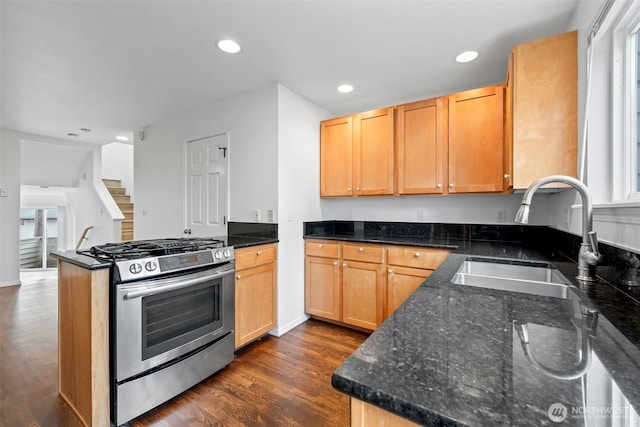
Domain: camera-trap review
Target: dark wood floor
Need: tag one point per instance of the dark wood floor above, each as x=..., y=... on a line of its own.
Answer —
x=273, y=382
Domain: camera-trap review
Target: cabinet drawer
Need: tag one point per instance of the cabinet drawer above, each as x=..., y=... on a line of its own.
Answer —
x=255, y=255
x=365, y=253
x=322, y=248
x=409, y=256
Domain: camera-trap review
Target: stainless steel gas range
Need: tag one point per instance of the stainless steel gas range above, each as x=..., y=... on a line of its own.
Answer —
x=172, y=318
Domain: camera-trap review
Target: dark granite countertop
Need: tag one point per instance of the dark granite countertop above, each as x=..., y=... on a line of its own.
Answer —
x=453, y=354
x=72, y=257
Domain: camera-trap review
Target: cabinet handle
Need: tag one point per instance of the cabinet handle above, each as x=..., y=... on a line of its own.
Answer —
x=320, y=245
x=360, y=249
x=451, y=185
x=335, y=263
x=259, y=253
x=238, y=277
x=344, y=265
x=439, y=185
x=348, y=188
x=506, y=176
x=417, y=254
x=390, y=271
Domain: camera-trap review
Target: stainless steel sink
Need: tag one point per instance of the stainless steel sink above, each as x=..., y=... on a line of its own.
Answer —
x=535, y=278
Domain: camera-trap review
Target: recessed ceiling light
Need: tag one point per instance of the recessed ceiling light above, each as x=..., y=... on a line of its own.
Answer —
x=122, y=138
x=345, y=88
x=85, y=130
x=72, y=135
x=228, y=46
x=467, y=56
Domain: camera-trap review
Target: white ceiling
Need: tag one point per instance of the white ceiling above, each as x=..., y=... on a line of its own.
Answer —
x=118, y=66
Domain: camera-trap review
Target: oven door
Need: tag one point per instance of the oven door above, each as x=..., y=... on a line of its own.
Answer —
x=160, y=320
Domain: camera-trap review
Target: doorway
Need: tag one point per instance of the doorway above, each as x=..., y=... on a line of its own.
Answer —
x=206, y=165
x=38, y=237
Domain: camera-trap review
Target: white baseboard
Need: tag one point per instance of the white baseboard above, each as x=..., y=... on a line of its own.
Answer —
x=6, y=284
x=279, y=331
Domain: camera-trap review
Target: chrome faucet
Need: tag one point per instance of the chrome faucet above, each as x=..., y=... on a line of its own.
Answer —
x=588, y=257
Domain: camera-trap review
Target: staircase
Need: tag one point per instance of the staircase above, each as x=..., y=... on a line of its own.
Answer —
x=118, y=192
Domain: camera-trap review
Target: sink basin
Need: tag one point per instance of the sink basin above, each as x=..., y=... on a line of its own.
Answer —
x=535, y=278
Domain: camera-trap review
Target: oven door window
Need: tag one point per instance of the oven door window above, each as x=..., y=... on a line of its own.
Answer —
x=174, y=318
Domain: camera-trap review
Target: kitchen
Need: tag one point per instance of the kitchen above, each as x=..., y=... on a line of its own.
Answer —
x=288, y=185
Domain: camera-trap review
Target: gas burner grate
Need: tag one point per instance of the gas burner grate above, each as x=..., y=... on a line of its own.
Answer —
x=146, y=248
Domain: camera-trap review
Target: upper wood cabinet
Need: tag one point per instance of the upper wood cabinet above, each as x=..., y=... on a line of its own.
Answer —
x=336, y=157
x=421, y=147
x=373, y=137
x=357, y=154
x=476, y=143
x=542, y=109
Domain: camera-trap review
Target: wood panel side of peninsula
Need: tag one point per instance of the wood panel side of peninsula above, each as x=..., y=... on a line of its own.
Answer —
x=83, y=342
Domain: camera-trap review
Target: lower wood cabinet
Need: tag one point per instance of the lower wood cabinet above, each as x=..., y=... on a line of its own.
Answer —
x=255, y=292
x=408, y=267
x=364, y=414
x=360, y=285
x=322, y=287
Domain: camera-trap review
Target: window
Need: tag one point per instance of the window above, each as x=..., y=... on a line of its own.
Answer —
x=626, y=100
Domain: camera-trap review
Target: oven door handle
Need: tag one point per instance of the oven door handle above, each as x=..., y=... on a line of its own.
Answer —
x=143, y=290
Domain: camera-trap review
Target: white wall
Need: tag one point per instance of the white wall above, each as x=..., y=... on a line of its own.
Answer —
x=461, y=209
x=91, y=205
x=117, y=163
x=298, y=201
x=9, y=208
x=251, y=120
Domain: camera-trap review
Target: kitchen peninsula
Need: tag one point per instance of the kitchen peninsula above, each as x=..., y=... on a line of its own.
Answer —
x=92, y=300
x=463, y=355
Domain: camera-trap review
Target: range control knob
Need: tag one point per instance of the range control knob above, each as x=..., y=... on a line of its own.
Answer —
x=135, y=268
x=226, y=253
x=217, y=255
x=150, y=266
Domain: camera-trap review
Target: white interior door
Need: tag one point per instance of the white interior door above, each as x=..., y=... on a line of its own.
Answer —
x=206, y=181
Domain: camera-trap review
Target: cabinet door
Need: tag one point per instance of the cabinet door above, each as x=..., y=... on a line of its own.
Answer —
x=322, y=287
x=255, y=302
x=373, y=136
x=545, y=109
x=401, y=282
x=362, y=294
x=476, y=130
x=336, y=157
x=421, y=152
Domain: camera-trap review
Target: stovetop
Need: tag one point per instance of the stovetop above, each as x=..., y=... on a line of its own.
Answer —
x=150, y=248
x=141, y=259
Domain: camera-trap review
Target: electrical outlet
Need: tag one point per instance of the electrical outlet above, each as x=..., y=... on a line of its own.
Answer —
x=422, y=214
x=270, y=215
x=501, y=215
x=257, y=215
